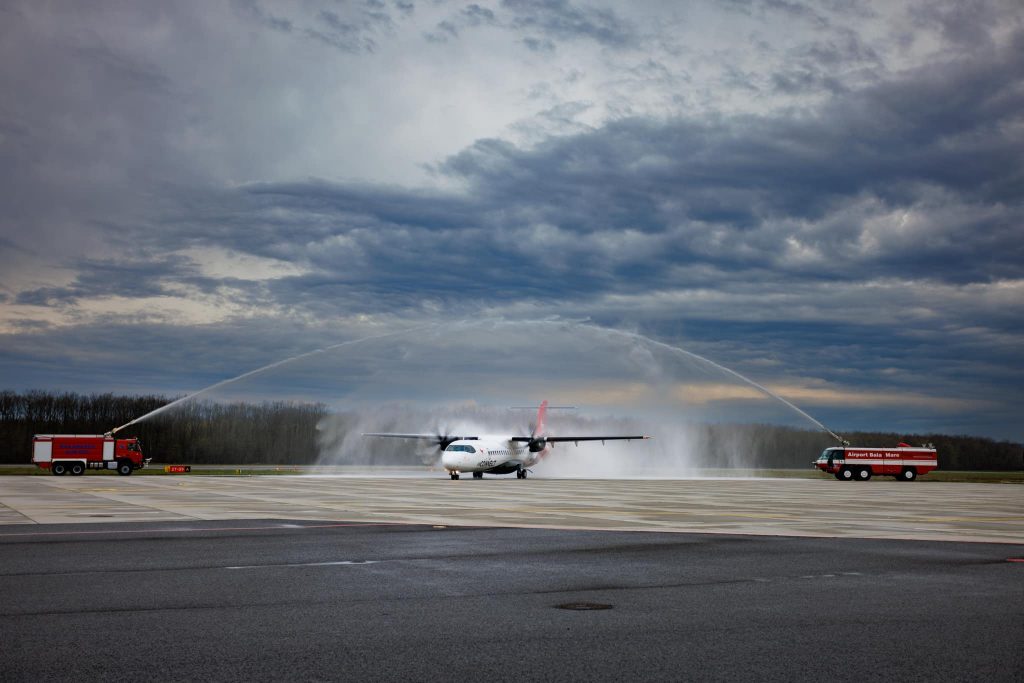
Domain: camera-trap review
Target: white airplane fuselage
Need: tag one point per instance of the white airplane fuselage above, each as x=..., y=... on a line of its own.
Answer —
x=491, y=453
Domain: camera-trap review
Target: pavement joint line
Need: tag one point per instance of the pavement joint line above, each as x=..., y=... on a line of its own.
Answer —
x=275, y=527
x=777, y=508
x=354, y=563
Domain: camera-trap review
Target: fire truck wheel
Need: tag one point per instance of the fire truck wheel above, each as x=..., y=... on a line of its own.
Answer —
x=846, y=474
x=863, y=474
x=59, y=468
x=77, y=469
x=908, y=474
x=124, y=468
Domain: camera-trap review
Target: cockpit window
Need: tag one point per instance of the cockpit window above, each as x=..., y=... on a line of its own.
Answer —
x=829, y=453
x=461, y=447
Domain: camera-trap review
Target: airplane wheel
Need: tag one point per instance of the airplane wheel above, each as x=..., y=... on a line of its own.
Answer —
x=455, y=476
x=478, y=475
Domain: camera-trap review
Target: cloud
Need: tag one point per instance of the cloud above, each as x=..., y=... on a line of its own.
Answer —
x=782, y=185
x=967, y=24
x=646, y=211
x=563, y=20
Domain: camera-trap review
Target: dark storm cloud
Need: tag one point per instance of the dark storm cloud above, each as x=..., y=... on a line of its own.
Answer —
x=919, y=177
x=133, y=355
x=563, y=20
x=795, y=10
x=538, y=44
x=823, y=65
x=964, y=23
x=541, y=23
x=443, y=32
x=914, y=182
x=134, y=278
x=750, y=235
x=351, y=34
x=916, y=177
x=351, y=28
x=253, y=10
x=476, y=15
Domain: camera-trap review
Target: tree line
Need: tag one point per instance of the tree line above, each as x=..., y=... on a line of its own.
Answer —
x=286, y=433
x=195, y=432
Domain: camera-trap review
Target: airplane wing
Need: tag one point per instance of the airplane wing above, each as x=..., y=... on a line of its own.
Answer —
x=442, y=441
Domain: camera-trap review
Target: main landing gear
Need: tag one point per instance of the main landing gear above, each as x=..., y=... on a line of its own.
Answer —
x=478, y=475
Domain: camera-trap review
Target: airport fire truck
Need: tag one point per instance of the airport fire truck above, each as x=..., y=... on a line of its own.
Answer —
x=74, y=453
x=904, y=462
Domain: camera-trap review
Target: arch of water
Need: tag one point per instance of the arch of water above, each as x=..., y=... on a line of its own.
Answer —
x=462, y=376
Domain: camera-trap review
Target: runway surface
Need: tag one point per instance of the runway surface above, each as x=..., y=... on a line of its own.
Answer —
x=269, y=600
x=421, y=578
x=792, y=507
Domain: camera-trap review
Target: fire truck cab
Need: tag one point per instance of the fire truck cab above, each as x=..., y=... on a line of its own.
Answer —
x=850, y=463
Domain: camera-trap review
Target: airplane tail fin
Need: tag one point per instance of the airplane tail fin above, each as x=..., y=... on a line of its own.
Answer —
x=541, y=413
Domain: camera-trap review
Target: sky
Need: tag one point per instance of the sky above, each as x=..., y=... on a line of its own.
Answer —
x=827, y=197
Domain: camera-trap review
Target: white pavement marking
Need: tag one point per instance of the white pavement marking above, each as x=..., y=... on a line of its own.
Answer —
x=306, y=564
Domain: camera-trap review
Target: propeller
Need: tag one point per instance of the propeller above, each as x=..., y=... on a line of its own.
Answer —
x=536, y=443
x=431, y=449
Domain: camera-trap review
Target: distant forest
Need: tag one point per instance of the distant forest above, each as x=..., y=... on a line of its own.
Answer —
x=192, y=433
x=286, y=433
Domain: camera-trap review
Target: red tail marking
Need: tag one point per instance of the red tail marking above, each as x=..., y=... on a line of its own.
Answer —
x=541, y=412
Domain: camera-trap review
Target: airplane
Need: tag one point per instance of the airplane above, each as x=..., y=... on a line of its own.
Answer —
x=497, y=454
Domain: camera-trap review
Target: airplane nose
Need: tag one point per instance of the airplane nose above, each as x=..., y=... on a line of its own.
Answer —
x=449, y=461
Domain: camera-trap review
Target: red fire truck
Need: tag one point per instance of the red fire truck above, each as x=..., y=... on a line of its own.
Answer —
x=904, y=462
x=74, y=453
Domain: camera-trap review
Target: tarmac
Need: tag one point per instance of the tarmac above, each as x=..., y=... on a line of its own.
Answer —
x=778, y=507
x=420, y=578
